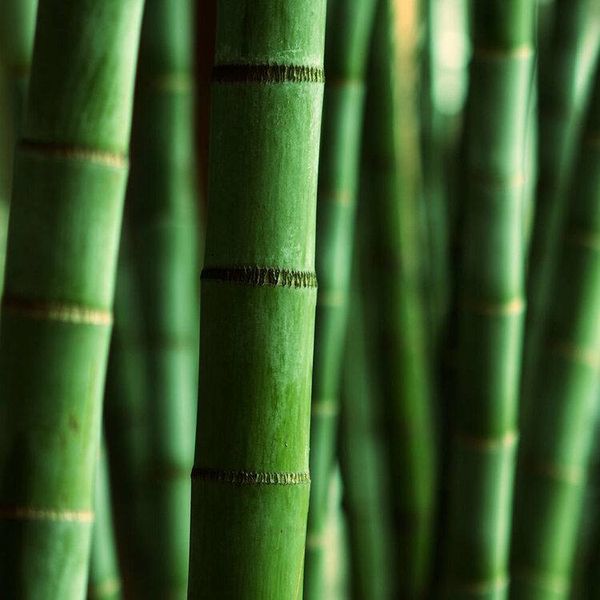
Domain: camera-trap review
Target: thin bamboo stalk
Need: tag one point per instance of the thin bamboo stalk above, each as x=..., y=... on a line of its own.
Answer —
x=391, y=179
x=66, y=208
x=491, y=302
x=558, y=433
x=163, y=227
x=250, y=483
x=561, y=100
x=104, y=580
x=346, y=49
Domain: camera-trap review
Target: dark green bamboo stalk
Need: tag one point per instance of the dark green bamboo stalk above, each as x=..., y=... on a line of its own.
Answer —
x=162, y=221
x=17, y=25
x=391, y=174
x=104, y=581
x=126, y=429
x=346, y=47
x=69, y=182
x=560, y=102
x=558, y=430
x=362, y=459
x=491, y=302
x=250, y=483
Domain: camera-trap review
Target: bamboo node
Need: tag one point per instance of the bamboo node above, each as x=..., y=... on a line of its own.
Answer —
x=25, y=513
x=324, y=408
x=250, y=477
x=260, y=276
x=570, y=474
x=343, y=197
x=105, y=158
x=506, y=440
x=267, y=74
x=578, y=354
x=56, y=311
x=331, y=298
x=169, y=82
x=316, y=540
x=496, y=181
x=525, y=51
x=585, y=239
x=515, y=306
x=553, y=583
x=106, y=588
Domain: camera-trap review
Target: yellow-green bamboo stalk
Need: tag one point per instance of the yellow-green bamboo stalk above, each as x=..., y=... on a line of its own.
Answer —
x=69, y=183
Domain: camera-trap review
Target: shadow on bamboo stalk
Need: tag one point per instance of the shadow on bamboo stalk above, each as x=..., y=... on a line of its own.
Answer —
x=69, y=183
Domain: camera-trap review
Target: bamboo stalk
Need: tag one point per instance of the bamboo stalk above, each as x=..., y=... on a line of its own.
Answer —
x=558, y=431
x=391, y=174
x=163, y=226
x=250, y=483
x=17, y=25
x=346, y=46
x=69, y=184
x=561, y=99
x=491, y=302
x=104, y=580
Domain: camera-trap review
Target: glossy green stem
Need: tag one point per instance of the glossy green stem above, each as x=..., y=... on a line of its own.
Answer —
x=559, y=427
x=104, y=581
x=250, y=483
x=346, y=48
x=163, y=227
x=69, y=183
x=391, y=184
x=490, y=302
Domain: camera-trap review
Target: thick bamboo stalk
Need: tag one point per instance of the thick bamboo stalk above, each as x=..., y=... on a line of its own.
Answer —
x=17, y=25
x=104, y=580
x=558, y=431
x=250, y=483
x=346, y=48
x=69, y=181
x=491, y=302
x=161, y=216
x=391, y=174
x=561, y=99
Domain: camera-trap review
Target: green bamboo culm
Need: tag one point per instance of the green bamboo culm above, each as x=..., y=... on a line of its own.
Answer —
x=346, y=49
x=561, y=421
x=69, y=183
x=104, y=581
x=561, y=99
x=17, y=26
x=485, y=435
x=126, y=429
x=391, y=184
x=250, y=482
x=163, y=226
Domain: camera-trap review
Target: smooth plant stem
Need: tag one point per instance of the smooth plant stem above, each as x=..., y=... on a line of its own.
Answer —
x=69, y=183
x=560, y=423
x=491, y=303
x=561, y=99
x=250, y=482
x=346, y=49
x=104, y=581
x=391, y=174
x=162, y=219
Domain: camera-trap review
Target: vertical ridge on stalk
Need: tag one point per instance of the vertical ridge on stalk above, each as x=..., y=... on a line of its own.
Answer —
x=62, y=247
x=346, y=48
x=483, y=447
x=256, y=340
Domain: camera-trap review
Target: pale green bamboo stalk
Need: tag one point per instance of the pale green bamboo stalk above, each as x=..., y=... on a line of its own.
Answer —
x=250, y=483
x=70, y=173
x=163, y=225
x=560, y=423
x=346, y=48
x=104, y=581
x=490, y=301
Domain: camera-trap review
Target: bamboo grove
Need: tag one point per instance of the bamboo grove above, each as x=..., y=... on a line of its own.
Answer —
x=300, y=299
